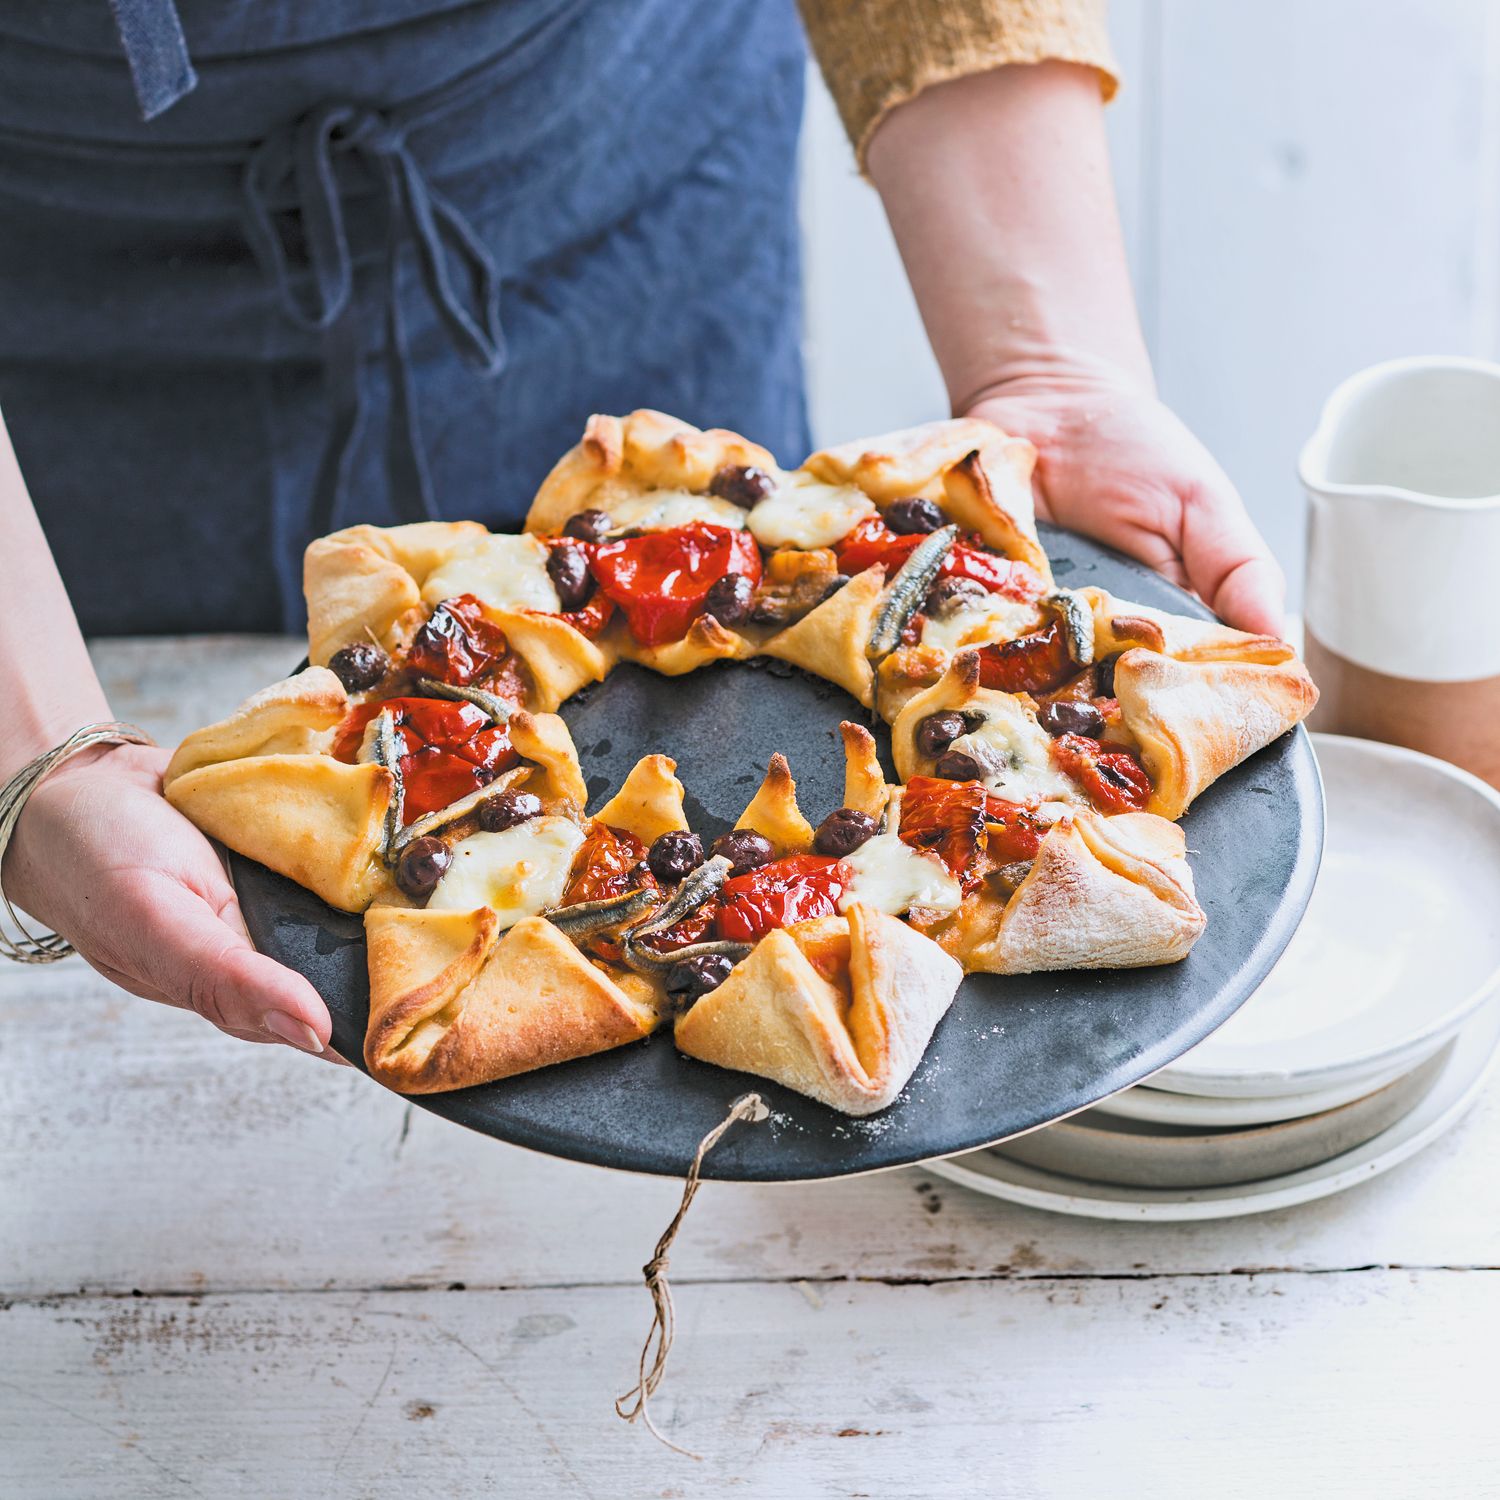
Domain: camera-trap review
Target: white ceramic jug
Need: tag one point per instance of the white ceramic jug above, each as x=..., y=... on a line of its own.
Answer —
x=1403, y=558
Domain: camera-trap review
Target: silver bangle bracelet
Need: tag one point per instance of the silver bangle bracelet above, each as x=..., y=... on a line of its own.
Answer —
x=46, y=948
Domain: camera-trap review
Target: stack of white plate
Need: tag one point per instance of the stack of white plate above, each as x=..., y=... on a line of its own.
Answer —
x=1370, y=1038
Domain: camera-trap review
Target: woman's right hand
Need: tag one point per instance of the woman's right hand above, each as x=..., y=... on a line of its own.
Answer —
x=103, y=859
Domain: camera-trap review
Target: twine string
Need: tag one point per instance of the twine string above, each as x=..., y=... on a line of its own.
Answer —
x=635, y=1404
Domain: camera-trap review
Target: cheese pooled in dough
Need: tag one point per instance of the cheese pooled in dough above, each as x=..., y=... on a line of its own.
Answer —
x=517, y=872
x=504, y=572
x=662, y=510
x=1013, y=753
x=893, y=877
x=804, y=513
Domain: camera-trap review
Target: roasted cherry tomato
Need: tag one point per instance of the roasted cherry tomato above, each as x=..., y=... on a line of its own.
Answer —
x=1015, y=832
x=661, y=579
x=787, y=890
x=604, y=864
x=872, y=541
x=1110, y=774
x=1029, y=664
x=451, y=749
x=459, y=644
x=945, y=817
x=593, y=617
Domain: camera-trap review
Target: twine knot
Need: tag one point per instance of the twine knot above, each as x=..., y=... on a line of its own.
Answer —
x=634, y=1405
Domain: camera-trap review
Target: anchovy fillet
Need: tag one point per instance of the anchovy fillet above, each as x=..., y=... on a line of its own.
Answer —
x=907, y=591
x=586, y=919
x=497, y=708
x=1077, y=621
x=444, y=817
x=699, y=888
x=658, y=965
x=388, y=754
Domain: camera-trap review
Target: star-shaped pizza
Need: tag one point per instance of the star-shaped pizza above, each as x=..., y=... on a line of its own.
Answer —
x=1045, y=739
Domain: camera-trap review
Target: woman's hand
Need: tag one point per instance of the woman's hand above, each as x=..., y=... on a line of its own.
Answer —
x=1117, y=465
x=102, y=858
x=997, y=186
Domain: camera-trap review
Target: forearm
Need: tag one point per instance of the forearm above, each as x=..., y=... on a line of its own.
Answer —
x=998, y=189
x=47, y=682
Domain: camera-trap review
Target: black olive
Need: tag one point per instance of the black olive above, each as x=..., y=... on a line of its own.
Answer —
x=422, y=864
x=834, y=585
x=843, y=831
x=741, y=484
x=506, y=809
x=568, y=569
x=955, y=765
x=360, y=666
x=745, y=850
x=913, y=517
x=675, y=855
x=728, y=599
x=937, y=731
x=1064, y=717
x=588, y=526
x=949, y=595
x=639, y=874
x=1104, y=675
x=694, y=977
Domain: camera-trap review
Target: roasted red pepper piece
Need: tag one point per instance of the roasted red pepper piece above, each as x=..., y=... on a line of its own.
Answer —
x=946, y=818
x=1029, y=664
x=661, y=579
x=1110, y=774
x=1015, y=832
x=459, y=644
x=451, y=749
x=793, y=889
x=872, y=541
x=593, y=617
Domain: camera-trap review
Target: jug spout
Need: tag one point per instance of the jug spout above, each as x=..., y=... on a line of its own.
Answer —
x=1403, y=484
x=1423, y=430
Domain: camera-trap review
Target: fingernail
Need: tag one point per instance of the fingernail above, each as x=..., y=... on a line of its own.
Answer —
x=290, y=1029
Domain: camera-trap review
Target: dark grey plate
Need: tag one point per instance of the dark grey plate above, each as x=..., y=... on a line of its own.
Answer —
x=1013, y=1052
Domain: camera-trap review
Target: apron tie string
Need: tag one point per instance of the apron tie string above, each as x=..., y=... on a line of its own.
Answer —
x=298, y=164
x=154, y=46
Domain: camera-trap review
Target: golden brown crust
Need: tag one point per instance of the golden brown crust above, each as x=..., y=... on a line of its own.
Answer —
x=1120, y=625
x=649, y=802
x=308, y=817
x=773, y=811
x=452, y=1005
x=989, y=491
x=1195, y=720
x=365, y=582
x=296, y=716
x=865, y=788
x=544, y=740
x=558, y=659
x=1102, y=893
x=830, y=640
x=628, y=455
x=706, y=641
x=854, y=1043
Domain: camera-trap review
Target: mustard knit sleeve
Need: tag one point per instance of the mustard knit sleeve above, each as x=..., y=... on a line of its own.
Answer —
x=877, y=54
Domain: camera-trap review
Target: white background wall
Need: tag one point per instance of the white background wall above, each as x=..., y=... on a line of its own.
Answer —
x=1306, y=186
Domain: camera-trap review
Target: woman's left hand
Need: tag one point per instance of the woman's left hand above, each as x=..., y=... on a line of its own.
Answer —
x=1117, y=465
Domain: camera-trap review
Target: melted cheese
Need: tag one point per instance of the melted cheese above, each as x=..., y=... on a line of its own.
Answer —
x=806, y=514
x=661, y=510
x=504, y=572
x=516, y=873
x=893, y=877
x=1013, y=752
x=993, y=618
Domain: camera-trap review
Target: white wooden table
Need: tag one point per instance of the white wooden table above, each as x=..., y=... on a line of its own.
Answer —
x=232, y=1271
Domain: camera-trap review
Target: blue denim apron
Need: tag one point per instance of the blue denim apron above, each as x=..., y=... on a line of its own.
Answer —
x=271, y=269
